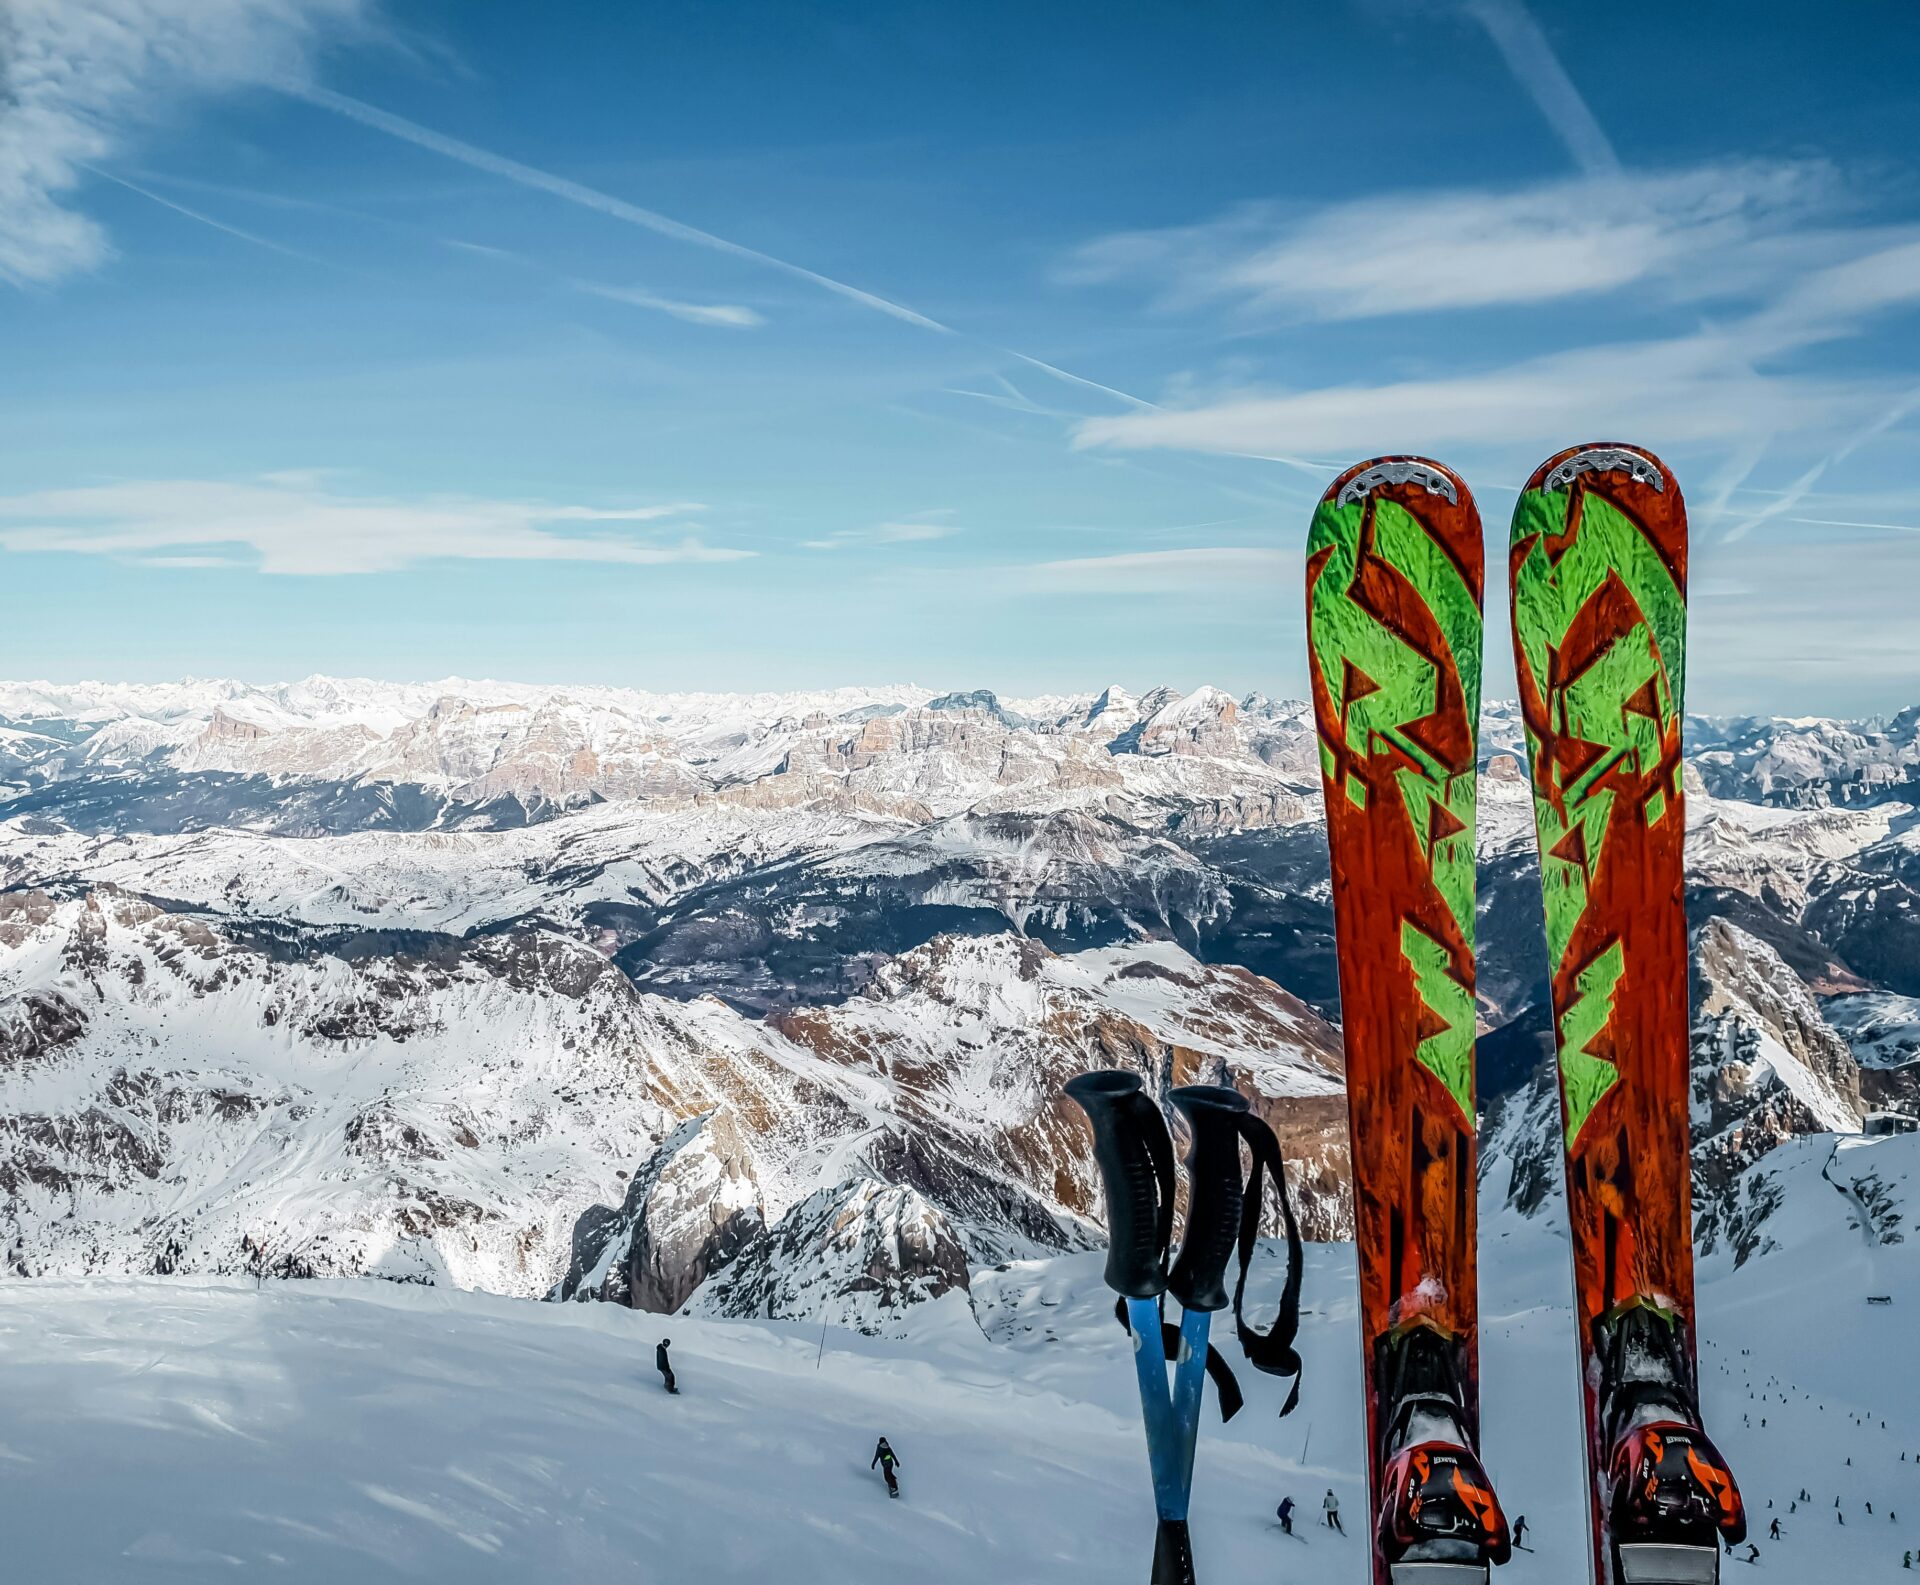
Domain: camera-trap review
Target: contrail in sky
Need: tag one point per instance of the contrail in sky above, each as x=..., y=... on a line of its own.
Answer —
x=591, y=198
x=1538, y=70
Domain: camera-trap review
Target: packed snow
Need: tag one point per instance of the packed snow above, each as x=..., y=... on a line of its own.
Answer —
x=189, y=1429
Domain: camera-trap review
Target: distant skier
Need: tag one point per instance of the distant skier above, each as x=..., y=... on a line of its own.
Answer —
x=1520, y=1533
x=1285, y=1514
x=887, y=1459
x=1773, y=1531
x=1330, y=1506
x=1753, y=1553
x=662, y=1364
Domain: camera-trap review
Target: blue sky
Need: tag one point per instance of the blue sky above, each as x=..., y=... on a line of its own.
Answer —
x=683, y=345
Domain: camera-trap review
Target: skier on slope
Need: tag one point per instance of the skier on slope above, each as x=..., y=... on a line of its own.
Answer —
x=888, y=1460
x=1520, y=1531
x=661, y=1364
x=1285, y=1514
x=1330, y=1506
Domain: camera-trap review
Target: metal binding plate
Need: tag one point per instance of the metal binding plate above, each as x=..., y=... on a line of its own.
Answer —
x=1606, y=459
x=1382, y=474
x=1656, y=1563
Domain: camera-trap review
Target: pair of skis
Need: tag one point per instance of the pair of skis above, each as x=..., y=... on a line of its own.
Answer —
x=1134, y=1152
x=1395, y=570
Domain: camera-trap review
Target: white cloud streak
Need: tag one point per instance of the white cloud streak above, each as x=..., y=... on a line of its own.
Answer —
x=729, y=316
x=75, y=74
x=1199, y=567
x=1415, y=252
x=909, y=532
x=293, y=525
x=1702, y=387
x=589, y=198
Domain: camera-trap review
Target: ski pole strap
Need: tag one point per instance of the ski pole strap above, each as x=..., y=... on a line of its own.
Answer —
x=1219, y=1372
x=1271, y=1351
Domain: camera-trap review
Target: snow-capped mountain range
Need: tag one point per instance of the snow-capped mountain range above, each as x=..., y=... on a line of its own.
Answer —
x=685, y=999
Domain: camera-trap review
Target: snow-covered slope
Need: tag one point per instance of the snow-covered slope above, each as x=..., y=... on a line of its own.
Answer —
x=184, y=1430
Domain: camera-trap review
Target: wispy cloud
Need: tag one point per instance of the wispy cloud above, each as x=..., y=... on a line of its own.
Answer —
x=1679, y=389
x=1413, y=252
x=589, y=198
x=208, y=220
x=1537, y=69
x=292, y=524
x=1708, y=386
x=1801, y=487
x=1199, y=567
x=732, y=316
x=76, y=75
x=915, y=530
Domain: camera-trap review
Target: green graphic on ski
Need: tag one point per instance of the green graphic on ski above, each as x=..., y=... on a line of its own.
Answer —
x=1395, y=569
x=1598, y=565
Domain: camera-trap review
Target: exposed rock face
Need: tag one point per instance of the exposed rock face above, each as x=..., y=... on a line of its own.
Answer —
x=1883, y=1030
x=689, y=1210
x=1521, y=1156
x=974, y=1037
x=859, y=1254
x=1739, y=978
x=1766, y=1066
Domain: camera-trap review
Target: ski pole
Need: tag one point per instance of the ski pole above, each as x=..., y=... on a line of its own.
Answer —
x=1216, y=1190
x=1134, y=1153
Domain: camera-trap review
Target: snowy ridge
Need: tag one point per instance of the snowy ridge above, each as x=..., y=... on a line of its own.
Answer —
x=182, y=1096
x=341, y=976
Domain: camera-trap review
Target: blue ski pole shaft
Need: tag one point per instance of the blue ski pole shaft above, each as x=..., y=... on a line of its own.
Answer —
x=1189, y=1382
x=1169, y=1448
x=1150, y=1364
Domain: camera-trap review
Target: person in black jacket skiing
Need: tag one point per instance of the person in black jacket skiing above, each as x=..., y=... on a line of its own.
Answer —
x=1285, y=1514
x=662, y=1364
x=888, y=1460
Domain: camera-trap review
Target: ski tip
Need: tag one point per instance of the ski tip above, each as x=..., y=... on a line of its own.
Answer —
x=1433, y=494
x=1632, y=464
x=1398, y=476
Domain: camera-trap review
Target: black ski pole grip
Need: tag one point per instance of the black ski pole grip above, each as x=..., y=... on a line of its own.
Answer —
x=1135, y=1157
x=1216, y=1190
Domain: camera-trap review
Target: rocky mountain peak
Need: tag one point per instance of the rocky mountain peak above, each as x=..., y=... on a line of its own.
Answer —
x=862, y=1254
x=691, y=1207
